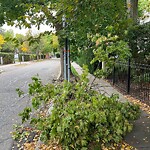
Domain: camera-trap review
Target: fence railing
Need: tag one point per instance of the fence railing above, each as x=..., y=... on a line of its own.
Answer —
x=133, y=79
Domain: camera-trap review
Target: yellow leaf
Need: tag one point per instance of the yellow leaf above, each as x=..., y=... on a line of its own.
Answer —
x=24, y=47
x=2, y=41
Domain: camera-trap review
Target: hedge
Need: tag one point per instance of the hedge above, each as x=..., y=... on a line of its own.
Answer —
x=8, y=58
x=33, y=57
x=43, y=56
x=85, y=58
x=26, y=57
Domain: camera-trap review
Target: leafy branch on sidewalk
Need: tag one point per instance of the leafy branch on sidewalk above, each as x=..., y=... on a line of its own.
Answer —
x=78, y=117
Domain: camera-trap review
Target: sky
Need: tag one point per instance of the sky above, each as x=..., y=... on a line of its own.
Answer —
x=23, y=31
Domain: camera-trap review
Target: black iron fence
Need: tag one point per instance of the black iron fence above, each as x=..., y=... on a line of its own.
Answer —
x=133, y=79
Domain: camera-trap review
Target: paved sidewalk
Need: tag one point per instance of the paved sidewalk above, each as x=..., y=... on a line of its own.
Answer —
x=139, y=138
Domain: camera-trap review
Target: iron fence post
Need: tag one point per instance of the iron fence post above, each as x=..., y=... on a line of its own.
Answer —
x=114, y=72
x=129, y=76
x=68, y=61
x=65, y=74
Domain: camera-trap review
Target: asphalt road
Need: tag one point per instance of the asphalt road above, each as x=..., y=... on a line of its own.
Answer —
x=19, y=76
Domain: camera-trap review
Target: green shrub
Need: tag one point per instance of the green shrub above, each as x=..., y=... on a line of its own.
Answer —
x=43, y=56
x=8, y=58
x=79, y=116
x=58, y=55
x=33, y=57
x=139, y=37
x=27, y=57
x=85, y=57
x=144, y=78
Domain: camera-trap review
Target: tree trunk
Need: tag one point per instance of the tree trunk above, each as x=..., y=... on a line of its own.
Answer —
x=61, y=73
x=37, y=54
x=132, y=6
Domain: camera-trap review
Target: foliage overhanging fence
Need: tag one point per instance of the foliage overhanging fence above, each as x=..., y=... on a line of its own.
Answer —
x=133, y=79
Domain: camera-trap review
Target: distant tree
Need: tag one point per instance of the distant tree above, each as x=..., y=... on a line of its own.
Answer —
x=45, y=44
x=20, y=39
x=2, y=41
x=34, y=48
x=25, y=47
x=55, y=43
x=10, y=44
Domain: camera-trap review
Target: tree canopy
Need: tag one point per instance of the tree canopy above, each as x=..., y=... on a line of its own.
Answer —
x=81, y=17
x=9, y=45
x=77, y=13
x=75, y=19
